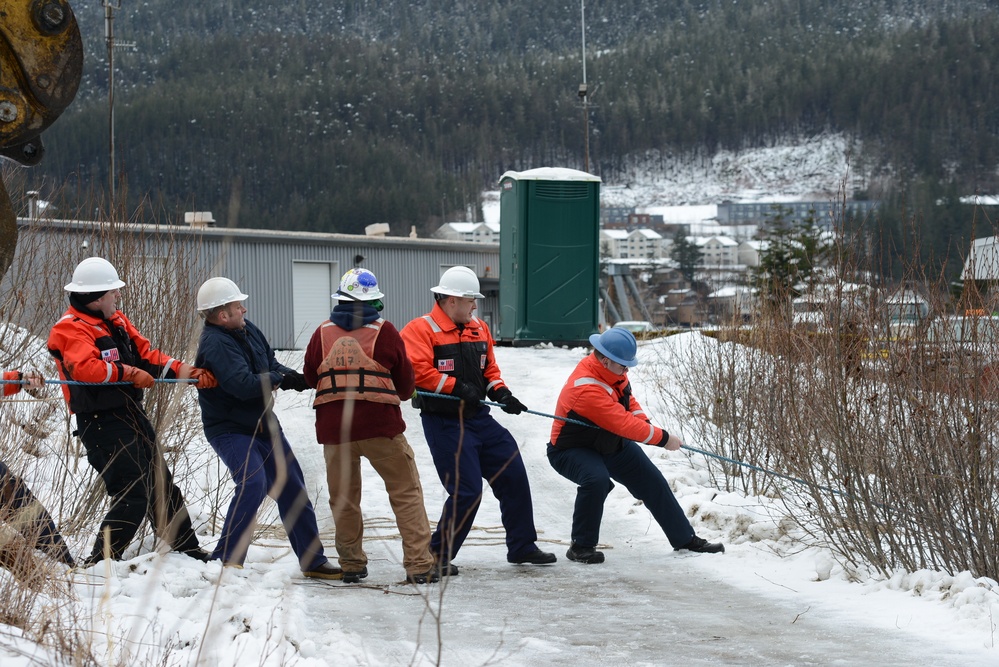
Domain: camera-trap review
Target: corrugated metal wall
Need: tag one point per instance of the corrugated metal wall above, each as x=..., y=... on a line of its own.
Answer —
x=261, y=263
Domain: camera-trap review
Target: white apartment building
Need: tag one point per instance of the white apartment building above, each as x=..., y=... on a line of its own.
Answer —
x=718, y=250
x=470, y=232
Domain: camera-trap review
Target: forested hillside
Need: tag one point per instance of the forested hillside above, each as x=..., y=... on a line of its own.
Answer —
x=331, y=116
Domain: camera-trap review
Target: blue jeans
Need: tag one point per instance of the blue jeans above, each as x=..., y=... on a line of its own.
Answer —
x=484, y=450
x=258, y=470
x=629, y=466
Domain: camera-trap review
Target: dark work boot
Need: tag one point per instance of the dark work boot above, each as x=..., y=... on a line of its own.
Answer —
x=536, y=557
x=198, y=554
x=587, y=555
x=431, y=576
x=702, y=546
x=355, y=577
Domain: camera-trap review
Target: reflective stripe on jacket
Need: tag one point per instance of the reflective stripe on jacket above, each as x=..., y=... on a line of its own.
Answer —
x=87, y=348
x=348, y=368
x=594, y=395
x=444, y=353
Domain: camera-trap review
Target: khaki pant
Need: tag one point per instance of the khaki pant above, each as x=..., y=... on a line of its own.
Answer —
x=393, y=460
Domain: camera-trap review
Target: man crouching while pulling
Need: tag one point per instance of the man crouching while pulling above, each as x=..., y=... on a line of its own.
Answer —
x=599, y=393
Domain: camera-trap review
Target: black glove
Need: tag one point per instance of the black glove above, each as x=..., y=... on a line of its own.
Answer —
x=294, y=380
x=467, y=393
x=511, y=405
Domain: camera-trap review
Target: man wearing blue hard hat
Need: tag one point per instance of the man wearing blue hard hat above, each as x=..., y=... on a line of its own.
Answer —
x=598, y=394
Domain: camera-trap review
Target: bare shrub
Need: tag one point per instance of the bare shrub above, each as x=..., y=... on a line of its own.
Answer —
x=37, y=442
x=879, y=435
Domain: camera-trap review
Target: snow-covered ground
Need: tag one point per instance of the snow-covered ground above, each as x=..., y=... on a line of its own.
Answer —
x=767, y=600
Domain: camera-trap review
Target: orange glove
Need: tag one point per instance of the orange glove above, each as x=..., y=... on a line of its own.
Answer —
x=138, y=377
x=205, y=379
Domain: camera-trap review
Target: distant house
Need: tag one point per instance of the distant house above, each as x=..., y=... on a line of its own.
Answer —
x=682, y=306
x=645, y=244
x=615, y=215
x=469, y=232
x=718, y=251
x=732, y=303
x=826, y=214
x=749, y=252
x=983, y=260
x=613, y=243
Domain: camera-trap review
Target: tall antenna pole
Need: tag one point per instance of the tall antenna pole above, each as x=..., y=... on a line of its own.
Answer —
x=109, y=8
x=583, y=94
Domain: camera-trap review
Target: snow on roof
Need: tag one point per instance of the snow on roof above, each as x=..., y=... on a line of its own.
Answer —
x=550, y=174
x=730, y=291
x=722, y=240
x=981, y=200
x=647, y=233
x=982, y=262
x=683, y=213
x=470, y=227
x=462, y=227
x=618, y=234
x=905, y=296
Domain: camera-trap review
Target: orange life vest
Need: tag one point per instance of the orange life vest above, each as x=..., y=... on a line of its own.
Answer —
x=348, y=369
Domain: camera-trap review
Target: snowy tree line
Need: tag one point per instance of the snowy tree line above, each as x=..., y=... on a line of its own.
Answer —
x=331, y=118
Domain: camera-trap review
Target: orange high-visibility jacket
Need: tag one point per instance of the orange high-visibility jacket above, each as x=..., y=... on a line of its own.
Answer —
x=87, y=349
x=594, y=395
x=442, y=354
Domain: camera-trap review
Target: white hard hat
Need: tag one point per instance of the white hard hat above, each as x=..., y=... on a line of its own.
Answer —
x=216, y=292
x=458, y=281
x=94, y=274
x=358, y=285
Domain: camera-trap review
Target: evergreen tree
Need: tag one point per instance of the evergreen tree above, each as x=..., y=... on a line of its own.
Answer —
x=687, y=255
x=791, y=251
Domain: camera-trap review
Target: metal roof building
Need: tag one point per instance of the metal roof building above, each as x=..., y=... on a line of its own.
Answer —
x=289, y=276
x=982, y=262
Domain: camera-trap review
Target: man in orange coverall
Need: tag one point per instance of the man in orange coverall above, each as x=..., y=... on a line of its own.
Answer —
x=452, y=353
x=598, y=393
x=94, y=343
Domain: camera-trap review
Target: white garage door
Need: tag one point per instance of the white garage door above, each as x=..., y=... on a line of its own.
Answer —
x=312, y=284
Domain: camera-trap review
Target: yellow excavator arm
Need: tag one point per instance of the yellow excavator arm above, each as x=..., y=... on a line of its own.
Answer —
x=41, y=62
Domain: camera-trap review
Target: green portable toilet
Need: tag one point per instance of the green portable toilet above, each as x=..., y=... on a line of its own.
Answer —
x=549, y=256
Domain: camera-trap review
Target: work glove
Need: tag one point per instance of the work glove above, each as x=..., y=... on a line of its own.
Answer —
x=138, y=377
x=670, y=442
x=294, y=380
x=467, y=393
x=511, y=405
x=205, y=379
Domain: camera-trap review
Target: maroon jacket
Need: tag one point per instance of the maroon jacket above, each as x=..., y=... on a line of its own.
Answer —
x=370, y=419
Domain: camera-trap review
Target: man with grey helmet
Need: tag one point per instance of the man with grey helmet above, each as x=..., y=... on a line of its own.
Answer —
x=603, y=448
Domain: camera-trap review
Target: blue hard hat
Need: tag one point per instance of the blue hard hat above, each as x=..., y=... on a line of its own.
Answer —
x=617, y=345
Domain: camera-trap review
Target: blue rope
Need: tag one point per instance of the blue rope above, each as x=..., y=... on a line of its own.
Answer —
x=687, y=447
x=77, y=382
